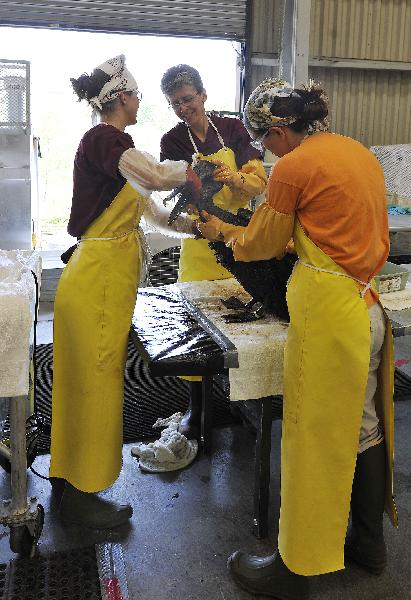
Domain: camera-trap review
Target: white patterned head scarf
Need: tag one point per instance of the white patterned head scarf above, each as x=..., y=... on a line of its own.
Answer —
x=121, y=80
x=257, y=111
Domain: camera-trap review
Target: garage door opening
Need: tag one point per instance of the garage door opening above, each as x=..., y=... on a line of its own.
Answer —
x=59, y=121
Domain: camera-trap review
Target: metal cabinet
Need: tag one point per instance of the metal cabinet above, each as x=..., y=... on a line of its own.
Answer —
x=15, y=155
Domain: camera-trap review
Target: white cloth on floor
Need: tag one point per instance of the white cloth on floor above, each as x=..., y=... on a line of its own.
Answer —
x=260, y=344
x=171, y=452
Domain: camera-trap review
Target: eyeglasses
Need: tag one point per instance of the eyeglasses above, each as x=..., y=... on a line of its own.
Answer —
x=184, y=101
x=138, y=95
x=258, y=141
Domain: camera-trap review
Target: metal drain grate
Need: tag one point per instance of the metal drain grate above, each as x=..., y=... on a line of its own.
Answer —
x=71, y=575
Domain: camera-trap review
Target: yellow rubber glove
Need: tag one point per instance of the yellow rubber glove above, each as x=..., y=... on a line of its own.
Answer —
x=211, y=227
x=227, y=176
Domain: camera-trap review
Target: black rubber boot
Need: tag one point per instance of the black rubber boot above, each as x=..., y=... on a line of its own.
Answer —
x=267, y=576
x=58, y=485
x=190, y=425
x=88, y=510
x=365, y=543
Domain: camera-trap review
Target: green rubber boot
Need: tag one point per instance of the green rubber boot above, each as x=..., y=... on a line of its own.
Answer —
x=190, y=425
x=267, y=576
x=365, y=543
x=58, y=485
x=88, y=510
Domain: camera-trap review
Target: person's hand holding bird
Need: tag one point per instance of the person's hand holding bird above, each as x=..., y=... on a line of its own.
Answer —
x=210, y=227
x=224, y=174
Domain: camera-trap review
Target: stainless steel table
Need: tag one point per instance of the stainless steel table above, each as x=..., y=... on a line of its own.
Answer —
x=173, y=338
x=399, y=223
x=400, y=321
x=400, y=238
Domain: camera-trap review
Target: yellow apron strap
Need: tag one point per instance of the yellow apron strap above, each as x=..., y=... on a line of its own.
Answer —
x=364, y=283
x=197, y=155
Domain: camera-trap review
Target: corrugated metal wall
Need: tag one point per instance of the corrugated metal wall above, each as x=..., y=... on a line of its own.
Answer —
x=259, y=73
x=265, y=42
x=371, y=29
x=266, y=26
x=370, y=105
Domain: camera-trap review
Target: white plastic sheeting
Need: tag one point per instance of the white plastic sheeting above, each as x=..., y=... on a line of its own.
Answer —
x=396, y=163
x=17, y=311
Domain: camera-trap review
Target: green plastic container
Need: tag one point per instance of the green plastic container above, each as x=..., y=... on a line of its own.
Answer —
x=391, y=278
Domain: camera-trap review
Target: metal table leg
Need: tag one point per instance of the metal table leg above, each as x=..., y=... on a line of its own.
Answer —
x=207, y=413
x=262, y=468
x=19, y=503
x=24, y=518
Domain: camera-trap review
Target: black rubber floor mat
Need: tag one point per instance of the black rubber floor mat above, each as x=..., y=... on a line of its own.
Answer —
x=402, y=385
x=3, y=573
x=146, y=398
x=71, y=575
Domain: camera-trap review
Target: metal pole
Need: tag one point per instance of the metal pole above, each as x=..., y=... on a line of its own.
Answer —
x=262, y=468
x=207, y=413
x=247, y=84
x=18, y=455
x=295, y=41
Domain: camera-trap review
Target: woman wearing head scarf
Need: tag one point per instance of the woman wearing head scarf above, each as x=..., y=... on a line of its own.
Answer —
x=222, y=140
x=97, y=292
x=327, y=193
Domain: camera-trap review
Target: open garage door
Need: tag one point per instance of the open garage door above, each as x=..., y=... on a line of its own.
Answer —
x=220, y=19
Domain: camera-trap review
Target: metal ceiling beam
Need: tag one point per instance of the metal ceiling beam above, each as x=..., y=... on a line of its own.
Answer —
x=346, y=63
x=339, y=63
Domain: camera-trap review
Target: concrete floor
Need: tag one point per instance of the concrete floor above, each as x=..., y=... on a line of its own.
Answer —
x=186, y=523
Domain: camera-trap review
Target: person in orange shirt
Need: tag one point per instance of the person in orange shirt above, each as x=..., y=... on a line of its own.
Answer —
x=326, y=193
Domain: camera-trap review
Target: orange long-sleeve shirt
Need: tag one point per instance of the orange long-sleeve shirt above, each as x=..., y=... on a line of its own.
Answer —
x=335, y=187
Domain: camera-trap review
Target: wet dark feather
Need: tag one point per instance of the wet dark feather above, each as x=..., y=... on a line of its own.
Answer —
x=264, y=280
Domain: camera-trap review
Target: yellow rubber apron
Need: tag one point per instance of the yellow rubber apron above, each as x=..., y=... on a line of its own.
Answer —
x=92, y=314
x=325, y=375
x=197, y=260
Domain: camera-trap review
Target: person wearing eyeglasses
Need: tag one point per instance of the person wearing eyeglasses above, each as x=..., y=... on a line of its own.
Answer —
x=327, y=193
x=222, y=140
x=112, y=183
